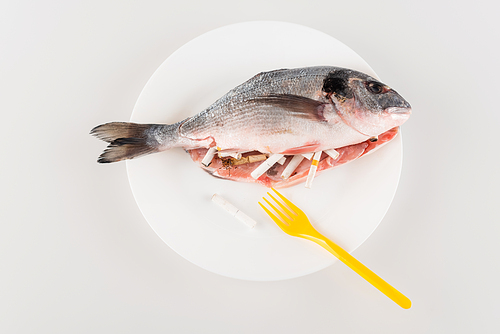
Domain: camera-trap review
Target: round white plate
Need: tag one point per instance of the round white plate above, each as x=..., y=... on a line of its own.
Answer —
x=346, y=204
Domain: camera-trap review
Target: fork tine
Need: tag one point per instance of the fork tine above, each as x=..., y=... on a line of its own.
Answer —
x=290, y=204
x=273, y=217
x=289, y=212
x=283, y=217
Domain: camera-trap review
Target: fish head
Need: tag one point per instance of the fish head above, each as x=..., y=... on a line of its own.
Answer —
x=364, y=103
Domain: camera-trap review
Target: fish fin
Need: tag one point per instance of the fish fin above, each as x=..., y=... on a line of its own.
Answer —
x=125, y=148
x=298, y=105
x=115, y=130
x=130, y=140
x=302, y=149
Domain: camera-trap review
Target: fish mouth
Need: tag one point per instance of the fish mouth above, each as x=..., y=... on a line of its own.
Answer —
x=398, y=111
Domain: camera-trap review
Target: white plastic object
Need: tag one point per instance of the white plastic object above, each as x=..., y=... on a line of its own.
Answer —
x=171, y=177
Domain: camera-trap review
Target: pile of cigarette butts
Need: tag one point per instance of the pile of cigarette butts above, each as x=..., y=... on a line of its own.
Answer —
x=269, y=161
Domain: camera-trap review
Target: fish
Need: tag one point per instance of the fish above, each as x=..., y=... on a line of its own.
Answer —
x=286, y=111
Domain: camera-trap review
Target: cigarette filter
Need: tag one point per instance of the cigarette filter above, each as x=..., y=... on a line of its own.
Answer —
x=249, y=159
x=308, y=156
x=282, y=160
x=209, y=156
x=256, y=158
x=312, y=170
x=333, y=153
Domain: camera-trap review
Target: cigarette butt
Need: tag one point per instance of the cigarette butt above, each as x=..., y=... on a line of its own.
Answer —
x=281, y=161
x=292, y=165
x=207, y=160
x=308, y=156
x=316, y=157
x=312, y=170
x=236, y=155
x=255, y=158
x=333, y=153
x=249, y=159
x=240, y=161
x=263, y=167
x=234, y=211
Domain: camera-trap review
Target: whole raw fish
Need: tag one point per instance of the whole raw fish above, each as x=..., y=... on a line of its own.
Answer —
x=283, y=111
x=289, y=111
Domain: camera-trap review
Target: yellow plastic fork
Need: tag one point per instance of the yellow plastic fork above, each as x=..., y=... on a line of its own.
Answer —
x=295, y=223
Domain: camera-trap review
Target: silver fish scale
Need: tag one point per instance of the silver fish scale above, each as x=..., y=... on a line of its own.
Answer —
x=237, y=121
x=295, y=82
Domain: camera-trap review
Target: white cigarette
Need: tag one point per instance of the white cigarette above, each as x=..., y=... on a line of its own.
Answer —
x=308, y=156
x=312, y=170
x=292, y=165
x=236, y=155
x=234, y=211
x=333, y=153
x=263, y=167
x=208, y=157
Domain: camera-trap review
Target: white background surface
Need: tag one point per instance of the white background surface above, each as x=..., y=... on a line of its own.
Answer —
x=78, y=257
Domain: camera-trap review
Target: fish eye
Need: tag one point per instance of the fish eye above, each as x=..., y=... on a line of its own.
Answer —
x=375, y=87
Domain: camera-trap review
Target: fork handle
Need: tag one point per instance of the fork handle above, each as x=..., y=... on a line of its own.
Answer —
x=362, y=270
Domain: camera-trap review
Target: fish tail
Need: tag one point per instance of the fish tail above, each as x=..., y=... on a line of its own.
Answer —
x=131, y=140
